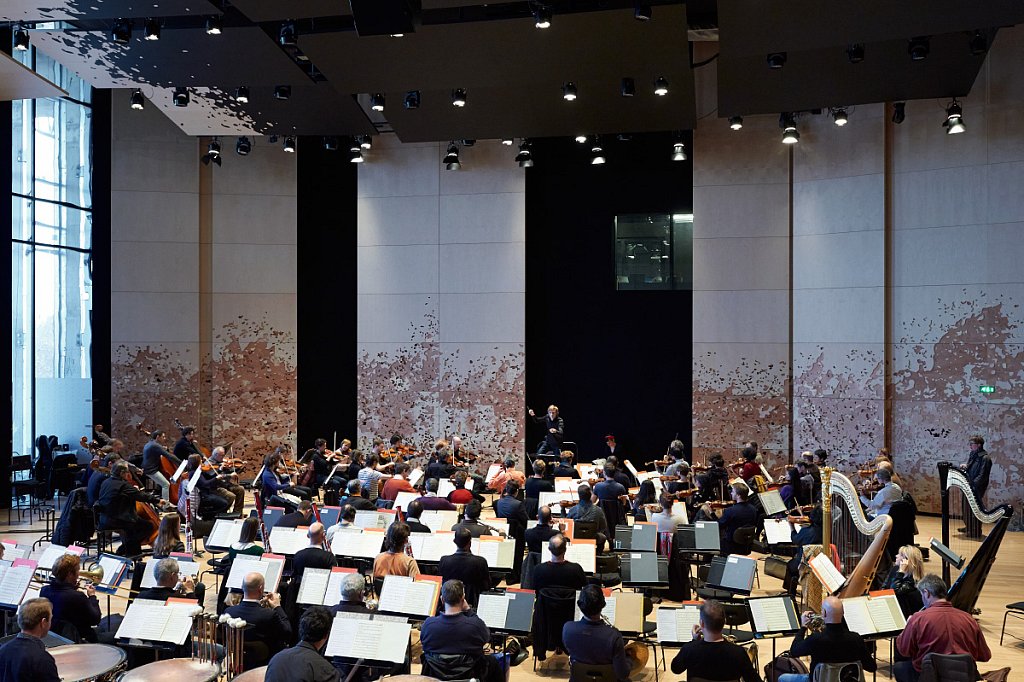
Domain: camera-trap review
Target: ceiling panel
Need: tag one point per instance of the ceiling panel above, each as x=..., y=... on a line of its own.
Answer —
x=71, y=10
x=18, y=82
x=276, y=10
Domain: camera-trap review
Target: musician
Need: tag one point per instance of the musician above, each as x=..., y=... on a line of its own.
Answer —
x=399, y=483
x=590, y=640
x=313, y=556
x=752, y=444
x=372, y=471
x=246, y=540
x=708, y=656
x=938, y=628
x=718, y=476
x=394, y=560
x=25, y=658
x=820, y=457
x=275, y=480
x=542, y=532
x=895, y=477
x=117, y=500
x=835, y=644
x=621, y=475
x=645, y=495
x=210, y=502
x=903, y=577
x=267, y=624
x=353, y=588
x=92, y=488
x=101, y=437
x=186, y=445
x=152, y=452
x=507, y=473
x=810, y=534
x=670, y=516
x=316, y=457
x=610, y=445
x=792, y=490
x=461, y=456
x=742, y=513
x=300, y=517
x=555, y=433
x=471, y=521
x=461, y=494
x=169, y=583
x=535, y=485
x=750, y=467
x=564, y=468
x=675, y=453
x=512, y=509
x=471, y=570
x=71, y=607
x=586, y=511
x=346, y=519
x=351, y=472
x=978, y=467
x=431, y=501
x=810, y=484
x=83, y=455
x=304, y=662
x=441, y=467
x=226, y=477
x=558, y=572
x=610, y=490
x=886, y=495
x=458, y=630
x=412, y=518
x=168, y=537
x=811, y=469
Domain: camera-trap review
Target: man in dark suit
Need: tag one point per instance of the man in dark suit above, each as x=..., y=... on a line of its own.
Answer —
x=471, y=521
x=267, y=625
x=71, y=607
x=542, y=532
x=742, y=513
x=565, y=468
x=465, y=566
x=314, y=556
x=590, y=641
x=355, y=497
x=304, y=662
x=412, y=518
x=117, y=509
x=169, y=583
x=558, y=572
x=835, y=644
x=510, y=508
x=299, y=517
x=25, y=658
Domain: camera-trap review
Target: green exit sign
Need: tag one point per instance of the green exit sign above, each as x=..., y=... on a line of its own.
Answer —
x=987, y=389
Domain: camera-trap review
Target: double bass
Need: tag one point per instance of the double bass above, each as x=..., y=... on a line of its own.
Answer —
x=167, y=468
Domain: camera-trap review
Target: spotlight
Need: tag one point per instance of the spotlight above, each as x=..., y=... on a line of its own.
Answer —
x=377, y=101
x=152, y=29
x=289, y=144
x=569, y=91
x=542, y=17
x=330, y=144
x=660, y=86
x=412, y=99
x=899, y=112
x=839, y=116
x=918, y=48
x=355, y=156
x=596, y=153
x=137, y=100
x=628, y=87
x=855, y=53
x=214, y=26
x=507, y=141
x=736, y=122
x=776, y=60
x=978, y=44
x=365, y=141
x=282, y=92
x=21, y=39
x=582, y=139
x=678, y=152
x=642, y=12
x=212, y=153
x=242, y=94
x=122, y=31
x=458, y=97
x=180, y=97
x=525, y=156
x=451, y=159
x=790, y=135
x=243, y=146
x=954, y=123
x=288, y=36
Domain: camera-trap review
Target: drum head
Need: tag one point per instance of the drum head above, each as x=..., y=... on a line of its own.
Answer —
x=254, y=675
x=77, y=662
x=174, y=670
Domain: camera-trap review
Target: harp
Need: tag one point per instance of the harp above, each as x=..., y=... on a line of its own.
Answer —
x=977, y=543
x=854, y=543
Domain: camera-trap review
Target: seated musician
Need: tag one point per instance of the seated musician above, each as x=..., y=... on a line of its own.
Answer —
x=709, y=656
x=458, y=630
x=394, y=560
x=588, y=512
x=169, y=583
x=645, y=502
x=558, y=572
x=590, y=640
x=226, y=481
x=355, y=497
x=471, y=521
x=300, y=517
x=675, y=454
x=938, y=628
x=304, y=662
x=670, y=516
x=412, y=518
x=117, y=500
x=275, y=480
x=168, y=537
x=467, y=567
x=372, y=471
x=346, y=519
x=886, y=495
x=210, y=502
x=186, y=445
x=25, y=658
x=351, y=472
x=431, y=501
x=792, y=488
x=537, y=484
x=835, y=644
x=809, y=534
x=542, y=532
x=461, y=495
x=718, y=477
x=742, y=513
x=267, y=624
x=399, y=483
x=512, y=509
x=896, y=480
x=317, y=458
x=461, y=456
x=353, y=588
x=80, y=610
x=903, y=577
x=313, y=556
x=508, y=473
x=820, y=457
x=621, y=475
x=807, y=468
x=246, y=540
x=749, y=468
x=441, y=466
x=608, y=489
x=92, y=488
x=353, y=592
x=565, y=468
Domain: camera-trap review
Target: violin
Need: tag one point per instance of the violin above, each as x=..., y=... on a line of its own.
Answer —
x=799, y=520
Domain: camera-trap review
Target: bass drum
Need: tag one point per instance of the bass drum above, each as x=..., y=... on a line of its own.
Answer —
x=80, y=662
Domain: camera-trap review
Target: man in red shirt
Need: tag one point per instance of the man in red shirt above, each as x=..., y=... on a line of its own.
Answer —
x=399, y=483
x=938, y=628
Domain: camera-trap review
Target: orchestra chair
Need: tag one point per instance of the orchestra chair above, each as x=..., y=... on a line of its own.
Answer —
x=554, y=608
x=904, y=527
x=838, y=672
x=591, y=672
x=948, y=668
x=743, y=539
x=374, y=490
x=608, y=570
x=29, y=487
x=736, y=613
x=104, y=535
x=705, y=592
x=1016, y=610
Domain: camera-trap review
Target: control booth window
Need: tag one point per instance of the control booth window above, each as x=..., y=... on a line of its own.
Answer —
x=654, y=251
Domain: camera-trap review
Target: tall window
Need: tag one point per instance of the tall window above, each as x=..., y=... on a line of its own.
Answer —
x=51, y=242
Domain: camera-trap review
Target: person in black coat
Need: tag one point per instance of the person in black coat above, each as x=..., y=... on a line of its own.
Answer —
x=554, y=431
x=808, y=535
x=117, y=509
x=171, y=584
x=535, y=485
x=92, y=488
x=304, y=662
x=71, y=607
x=268, y=625
x=509, y=507
x=558, y=572
x=412, y=518
x=355, y=497
x=741, y=514
x=542, y=532
x=186, y=445
x=565, y=468
x=25, y=658
x=835, y=644
x=465, y=566
x=299, y=517
x=979, y=468
x=590, y=641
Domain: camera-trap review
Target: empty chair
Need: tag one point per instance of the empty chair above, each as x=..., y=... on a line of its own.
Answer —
x=584, y=672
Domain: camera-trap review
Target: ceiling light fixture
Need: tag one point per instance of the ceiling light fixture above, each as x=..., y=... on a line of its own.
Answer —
x=918, y=48
x=21, y=38
x=214, y=26
x=243, y=146
x=242, y=94
x=282, y=92
x=451, y=159
x=412, y=99
x=569, y=91
x=899, y=112
x=152, y=31
x=212, y=153
x=660, y=86
x=978, y=44
x=180, y=97
x=678, y=151
x=365, y=141
x=289, y=144
x=790, y=135
x=507, y=141
x=628, y=87
x=288, y=36
x=122, y=31
x=642, y=11
x=542, y=17
x=736, y=122
x=525, y=156
x=597, y=156
x=137, y=100
x=377, y=101
x=954, y=123
x=776, y=60
x=458, y=97
x=839, y=116
x=855, y=53
x=355, y=155
x=582, y=139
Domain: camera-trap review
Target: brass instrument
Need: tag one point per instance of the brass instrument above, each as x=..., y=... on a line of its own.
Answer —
x=94, y=576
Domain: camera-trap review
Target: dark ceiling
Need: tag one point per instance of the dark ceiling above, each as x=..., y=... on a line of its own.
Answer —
x=512, y=71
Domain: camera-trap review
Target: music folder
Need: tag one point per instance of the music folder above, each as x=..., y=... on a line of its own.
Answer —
x=375, y=518
x=675, y=625
x=624, y=610
x=948, y=555
x=644, y=568
x=14, y=582
x=369, y=639
x=271, y=515
x=115, y=568
x=700, y=536
x=773, y=616
x=732, y=573
x=270, y=566
x=329, y=515
x=404, y=596
x=158, y=622
x=642, y=536
x=508, y=612
x=322, y=586
x=224, y=534
x=822, y=567
x=185, y=568
x=771, y=502
x=876, y=613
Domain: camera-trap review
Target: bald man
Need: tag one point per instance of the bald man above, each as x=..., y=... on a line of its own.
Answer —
x=314, y=556
x=835, y=644
x=268, y=625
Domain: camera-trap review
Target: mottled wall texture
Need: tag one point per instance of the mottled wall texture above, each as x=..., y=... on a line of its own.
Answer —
x=203, y=288
x=441, y=296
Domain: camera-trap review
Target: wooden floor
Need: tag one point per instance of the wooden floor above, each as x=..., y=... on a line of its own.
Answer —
x=1004, y=585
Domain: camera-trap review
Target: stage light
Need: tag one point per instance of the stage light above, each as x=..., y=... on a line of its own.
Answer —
x=242, y=94
x=288, y=36
x=855, y=53
x=839, y=116
x=122, y=31
x=525, y=156
x=542, y=17
x=21, y=39
x=628, y=87
x=355, y=156
x=451, y=159
x=282, y=92
x=660, y=86
x=678, y=152
x=642, y=12
x=954, y=123
x=412, y=99
x=569, y=91
x=181, y=97
x=214, y=26
x=152, y=31
x=790, y=135
x=736, y=122
x=899, y=112
x=137, y=100
x=212, y=153
x=289, y=144
x=918, y=48
x=243, y=146
x=507, y=141
x=776, y=60
x=582, y=139
x=458, y=97
x=978, y=44
x=377, y=101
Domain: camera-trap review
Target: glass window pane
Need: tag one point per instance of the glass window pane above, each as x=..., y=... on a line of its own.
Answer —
x=63, y=301
x=653, y=251
x=21, y=345
x=21, y=139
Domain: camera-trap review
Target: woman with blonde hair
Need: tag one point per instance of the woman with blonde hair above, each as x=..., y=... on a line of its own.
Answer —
x=903, y=577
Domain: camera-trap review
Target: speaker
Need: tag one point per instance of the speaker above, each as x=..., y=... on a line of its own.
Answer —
x=385, y=17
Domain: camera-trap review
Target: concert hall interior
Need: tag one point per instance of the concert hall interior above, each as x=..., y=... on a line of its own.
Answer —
x=395, y=278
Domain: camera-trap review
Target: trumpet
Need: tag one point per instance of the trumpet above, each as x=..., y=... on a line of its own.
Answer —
x=94, y=576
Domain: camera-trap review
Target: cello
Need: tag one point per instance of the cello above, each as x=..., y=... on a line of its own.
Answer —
x=167, y=467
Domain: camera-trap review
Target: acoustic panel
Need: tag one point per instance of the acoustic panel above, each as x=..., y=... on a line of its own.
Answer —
x=73, y=10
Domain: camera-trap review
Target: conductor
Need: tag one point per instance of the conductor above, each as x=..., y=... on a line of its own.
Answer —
x=554, y=435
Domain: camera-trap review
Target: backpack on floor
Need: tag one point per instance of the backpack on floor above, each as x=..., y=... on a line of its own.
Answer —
x=782, y=665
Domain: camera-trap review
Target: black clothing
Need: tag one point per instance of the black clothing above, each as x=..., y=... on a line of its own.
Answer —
x=293, y=520
x=461, y=633
x=737, y=516
x=151, y=454
x=562, y=574
x=183, y=449
x=565, y=471
x=470, y=569
x=210, y=503
x=117, y=502
x=906, y=591
x=717, y=483
x=270, y=626
x=164, y=593
x=609, y=490
x=442, y=471
x=514, y=511
x=533, y=488
x=538, y=536
x=475, y=528
x=416, y=527
x=25, y=659
x=836, y=644
x=92, y=489
x=72, y=607
x=979, y=467
x=715, y=661
x=348, y=607
x=359, y=503
x=594, y=643
x=552, y=441
x=311, y=557
x=301, y=663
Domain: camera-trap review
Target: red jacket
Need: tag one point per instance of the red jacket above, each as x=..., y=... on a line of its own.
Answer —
x=942, y=629
x=395, y=485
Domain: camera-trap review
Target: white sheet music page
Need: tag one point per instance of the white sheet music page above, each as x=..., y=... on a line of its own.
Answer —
x=242, y=566
x=50, y=555
x=886, y=613
x=374, y=640
x=111, y=566
x=676, y=625
x=778, y=530
x=493, y=609
x=857, y=616
x=156, y=622
x=445, y=487
x=608, y=612
x=439, y=519
x=827, y=573
x=414, y=476
x=770, y=615
x=225, y=532
x=332, y=593
x=402, y=594
x=14, y=582
x=314, y=586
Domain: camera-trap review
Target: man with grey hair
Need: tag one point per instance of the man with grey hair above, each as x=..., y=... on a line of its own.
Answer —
x=353, y=587
x=226, y=481
x=938, y=628
x=24, y=658
x=171, y=584
x=267, y=625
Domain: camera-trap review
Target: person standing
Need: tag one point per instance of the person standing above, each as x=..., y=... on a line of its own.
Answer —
x=979, y=468
x=152, y=453
x=554, y=433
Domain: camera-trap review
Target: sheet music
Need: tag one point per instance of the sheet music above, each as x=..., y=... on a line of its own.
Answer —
x=332, y=594
x=582, y=553
x=288, y=541
x=270, y=570
x=632, y=469
x=354, y=544
x=886, y=613
x=492, y=609
x=492, y=471
x=566, y=485
x=778, y=531
x=775, y=614
x=771, y=501
x=676, y=625
x=191, y=483
x=186, y=568
x=156, y=622
x=111, y=566
x=551, y=499
x=373, y=640
x=439, y=519
x=445, y=488
x=827, y=573
x=430, y=547
x=225, y=533
x=498, y=554
x=50, y=555
x=13, y=551
x=179, y=471
x=403, y=499
x=367, y=518
x=858, y=619
x=414, y=476
x=314, y=586
x=608, y=612
x=14, y=582
x=402, y=594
